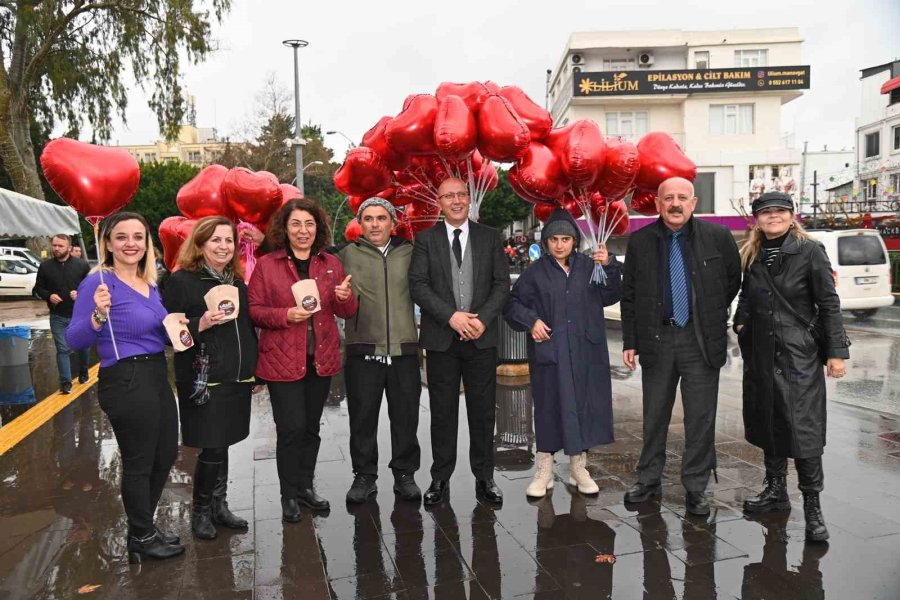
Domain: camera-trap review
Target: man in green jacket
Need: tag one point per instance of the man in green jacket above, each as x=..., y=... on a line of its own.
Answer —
x=382, y=353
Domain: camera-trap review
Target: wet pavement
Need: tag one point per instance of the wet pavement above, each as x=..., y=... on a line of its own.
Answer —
x=62, y=526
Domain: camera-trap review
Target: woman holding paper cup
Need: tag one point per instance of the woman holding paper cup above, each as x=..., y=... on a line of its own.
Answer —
x=118, y=308
x=215, y=361
x=299, y=347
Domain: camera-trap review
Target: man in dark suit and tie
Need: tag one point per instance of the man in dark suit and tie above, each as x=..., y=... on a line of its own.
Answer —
x=459, y=277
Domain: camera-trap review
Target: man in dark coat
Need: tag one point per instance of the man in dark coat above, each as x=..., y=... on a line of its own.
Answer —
x=459, y=277
x=681, y=274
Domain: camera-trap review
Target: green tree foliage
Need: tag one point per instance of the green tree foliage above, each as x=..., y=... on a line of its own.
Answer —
x=502, y=206
x=64, y=61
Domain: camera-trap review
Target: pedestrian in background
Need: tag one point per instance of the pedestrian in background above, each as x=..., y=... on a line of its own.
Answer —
x=123, y=315
x=57, y=284
x=788, y=299
x=215, y=414
x=299, y=350
x=568, y=359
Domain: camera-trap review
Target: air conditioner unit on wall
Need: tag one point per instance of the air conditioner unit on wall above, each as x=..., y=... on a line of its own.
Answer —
x=645, y=59
x=576, y=60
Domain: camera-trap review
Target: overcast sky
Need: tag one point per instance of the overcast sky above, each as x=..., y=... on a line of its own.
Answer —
x=364, y=58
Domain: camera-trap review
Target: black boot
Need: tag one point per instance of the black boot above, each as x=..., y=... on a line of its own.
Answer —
x=221, y=515
x=151, y=545
x=204, y=480
x=773, y=497
x=815, y=522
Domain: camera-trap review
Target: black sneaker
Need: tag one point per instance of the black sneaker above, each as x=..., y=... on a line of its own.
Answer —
x=405, y=487
x=65, y=388
x=363, y=487
x=83, y=377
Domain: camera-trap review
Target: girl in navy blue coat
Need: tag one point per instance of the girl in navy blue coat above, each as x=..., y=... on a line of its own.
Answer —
x=562, y=310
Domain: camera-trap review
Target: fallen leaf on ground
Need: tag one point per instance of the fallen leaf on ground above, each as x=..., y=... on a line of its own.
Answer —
x=605, y=559
x=87, y=589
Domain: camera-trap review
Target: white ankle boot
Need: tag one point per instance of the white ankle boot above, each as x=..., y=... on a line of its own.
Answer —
x=543, y=477
x=579, y=476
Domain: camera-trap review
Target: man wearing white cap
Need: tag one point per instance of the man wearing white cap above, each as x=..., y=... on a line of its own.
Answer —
x=382, y=353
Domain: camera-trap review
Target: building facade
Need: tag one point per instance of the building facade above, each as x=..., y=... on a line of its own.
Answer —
x=877, y=183
x=718, y=93
x=198, y=146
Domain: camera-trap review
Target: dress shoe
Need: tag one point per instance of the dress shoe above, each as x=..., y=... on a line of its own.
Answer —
x=363, y=486
x=83, y=377
x=308, y=497
x=405, y=487
x=65, y=387
x=773, y=497
x=696, y=504
x=290, y=512
x=151, y=546
x=487, y=490
x=641, y=492
x=438, y=490
x=815, y=522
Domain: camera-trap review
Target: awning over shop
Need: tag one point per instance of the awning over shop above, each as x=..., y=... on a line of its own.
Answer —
x=890, y=85
x=22, y=216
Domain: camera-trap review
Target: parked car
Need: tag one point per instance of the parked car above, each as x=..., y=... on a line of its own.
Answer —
x=23, y=253
x=17, y=276
x=861, y=269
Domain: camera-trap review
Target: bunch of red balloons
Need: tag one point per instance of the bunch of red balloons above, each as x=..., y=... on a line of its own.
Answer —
x=242, y=195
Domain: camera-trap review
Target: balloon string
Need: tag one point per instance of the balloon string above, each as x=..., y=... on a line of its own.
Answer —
x=112, y=334
x=598, y=276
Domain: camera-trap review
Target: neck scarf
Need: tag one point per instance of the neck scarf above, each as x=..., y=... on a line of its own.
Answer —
x=224, y=278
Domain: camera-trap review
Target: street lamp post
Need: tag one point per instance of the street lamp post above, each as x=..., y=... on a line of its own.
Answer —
x=314, y=163
x=298, y=142
x=344, y=135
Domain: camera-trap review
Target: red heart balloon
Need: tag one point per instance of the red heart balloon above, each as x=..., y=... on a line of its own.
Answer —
x=472, y=93
x=251, y=197
x=542, y=211
x=622, y=165
x=617, y=213
x=584, y=155
x=598, y=205
x=173, y=231
x=540, y=174
x=202, y=196
x=412, y=131
x=94, y=180
x=422, y=215
x=492, y=87
x=289, y=192
x=408, y=193
x=363, y=173
x=662, y=158
x=537, y=118
x=455, y=131
x=376, y=140
x=502, y=135
x=352, y=231
x=487, y=178
x=571, y=205
x=644, y=202
x=514, y=182
x=558, y=138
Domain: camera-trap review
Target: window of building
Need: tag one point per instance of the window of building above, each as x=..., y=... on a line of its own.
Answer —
x=194, y=157
x=751, y=58
x=618, y=64
x=730, y=119
x=150, y=157
x=705, y=190
x=895, y=184
x=701, y=60
x=894, y=97
x=871, y=190
x=627, y=124
x=873, y=144
x=896, y=137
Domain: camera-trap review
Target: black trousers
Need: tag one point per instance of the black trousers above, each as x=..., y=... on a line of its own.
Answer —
x=680, y=360
x=140, y=405
x=809, y=471
x=367, y=381
x=478, y=370
x=297, y=408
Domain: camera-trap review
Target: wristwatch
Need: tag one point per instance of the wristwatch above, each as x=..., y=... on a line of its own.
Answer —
x=99, y=317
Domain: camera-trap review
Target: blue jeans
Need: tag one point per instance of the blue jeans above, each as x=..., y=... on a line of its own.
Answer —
x=58, y=326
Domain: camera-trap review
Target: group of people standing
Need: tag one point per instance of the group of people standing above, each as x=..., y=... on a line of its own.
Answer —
x=680, y=276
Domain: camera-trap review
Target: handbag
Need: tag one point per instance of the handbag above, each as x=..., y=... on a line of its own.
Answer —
x=815, y=327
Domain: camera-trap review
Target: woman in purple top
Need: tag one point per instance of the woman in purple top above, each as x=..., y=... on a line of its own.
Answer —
x=122, y=315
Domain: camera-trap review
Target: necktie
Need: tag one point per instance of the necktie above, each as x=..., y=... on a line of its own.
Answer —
x=457, y=246
x=680, y=309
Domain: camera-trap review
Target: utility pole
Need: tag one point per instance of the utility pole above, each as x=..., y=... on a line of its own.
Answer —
x=803, y=177
x=298, y=141
x=547, y=90
x=815, y=187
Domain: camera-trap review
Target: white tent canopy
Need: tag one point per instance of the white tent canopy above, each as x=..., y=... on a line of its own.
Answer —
x=22, y=216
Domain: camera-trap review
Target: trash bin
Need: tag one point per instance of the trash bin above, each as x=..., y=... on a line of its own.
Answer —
x=14, y=345
x=16, y=386
x=512, y=347
x=514, y=429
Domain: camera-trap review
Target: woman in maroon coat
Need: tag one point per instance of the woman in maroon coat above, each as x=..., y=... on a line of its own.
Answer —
x=299, y=350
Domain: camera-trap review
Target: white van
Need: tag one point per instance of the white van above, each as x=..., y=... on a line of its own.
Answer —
x=861, y=269
x=20, y=253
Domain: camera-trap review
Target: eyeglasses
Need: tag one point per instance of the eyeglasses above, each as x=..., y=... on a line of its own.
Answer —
x=452, y=195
